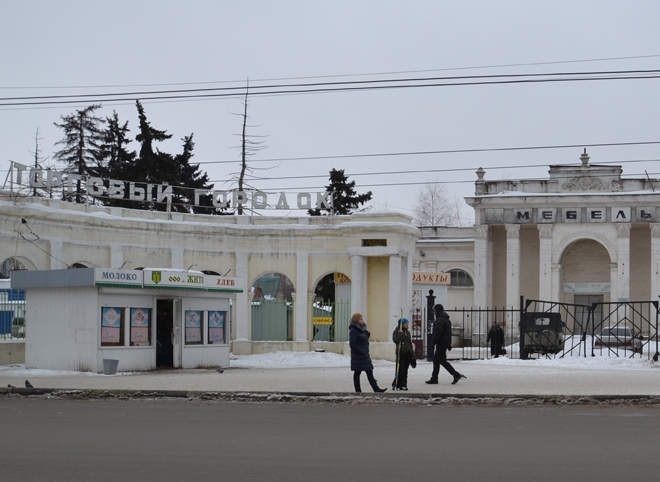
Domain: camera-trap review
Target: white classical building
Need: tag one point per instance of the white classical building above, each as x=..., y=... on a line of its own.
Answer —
x=276, y=258
x=584, y=235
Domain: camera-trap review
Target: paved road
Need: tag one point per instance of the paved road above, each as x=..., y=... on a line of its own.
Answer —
x=68, y=440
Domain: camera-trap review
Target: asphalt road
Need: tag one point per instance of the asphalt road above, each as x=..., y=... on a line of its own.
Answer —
x=157, y=440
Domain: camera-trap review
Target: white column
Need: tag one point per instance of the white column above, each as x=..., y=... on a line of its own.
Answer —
x=545, y=262
x=557, y=288
x=357, y=284
x=407, y=285
x=394, y=292
x=302, y=280
x=56, y=255
x=116, y=255
x=481, y=266
x=512, y=265
x=177, y=258
x=614, y=282
x=242, y=308
x=655, y=261
x=623, y=261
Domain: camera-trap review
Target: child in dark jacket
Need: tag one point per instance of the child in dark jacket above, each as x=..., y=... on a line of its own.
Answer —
x=405, y=354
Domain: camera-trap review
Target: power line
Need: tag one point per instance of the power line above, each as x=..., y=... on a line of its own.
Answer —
x=329, y=76
x=331, y=87
x=445, y=151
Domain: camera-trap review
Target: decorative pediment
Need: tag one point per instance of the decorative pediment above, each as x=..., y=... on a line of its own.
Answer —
x=585, y=183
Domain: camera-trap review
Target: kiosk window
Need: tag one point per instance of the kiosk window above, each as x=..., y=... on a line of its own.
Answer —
x=193, y=327
x=140, y=326
x=112, y=326
x=217, y=326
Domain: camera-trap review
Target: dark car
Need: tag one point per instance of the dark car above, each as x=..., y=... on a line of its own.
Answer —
x=541, y=333
x=619, y=337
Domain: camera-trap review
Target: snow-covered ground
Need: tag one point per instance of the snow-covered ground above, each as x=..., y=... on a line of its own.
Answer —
x=286, y=359
x=329, y=373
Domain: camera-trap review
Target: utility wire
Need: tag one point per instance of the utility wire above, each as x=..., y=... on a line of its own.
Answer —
x=330, y=87
x=446, y=151
x=330, y=76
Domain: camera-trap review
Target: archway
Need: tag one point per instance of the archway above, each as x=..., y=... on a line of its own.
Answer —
x=272, y=308
x=585, y=279
x=332, y=308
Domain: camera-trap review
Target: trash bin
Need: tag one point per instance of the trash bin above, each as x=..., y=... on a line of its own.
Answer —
x=110, y=366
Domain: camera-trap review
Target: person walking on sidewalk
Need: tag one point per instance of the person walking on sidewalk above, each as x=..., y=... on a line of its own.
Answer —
x=442, y=342
x=405, y=354
x=360, y=359
x=496, y=339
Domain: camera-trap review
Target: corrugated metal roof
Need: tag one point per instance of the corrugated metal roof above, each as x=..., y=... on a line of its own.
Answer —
x=57, y=278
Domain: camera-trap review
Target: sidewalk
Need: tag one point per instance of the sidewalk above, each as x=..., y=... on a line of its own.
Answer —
x=485, y=378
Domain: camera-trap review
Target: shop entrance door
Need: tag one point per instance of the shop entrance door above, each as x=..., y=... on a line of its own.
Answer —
x=164, y=332
x=168, y=333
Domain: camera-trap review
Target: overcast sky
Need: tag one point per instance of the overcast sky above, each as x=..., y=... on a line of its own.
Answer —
x=125, y=47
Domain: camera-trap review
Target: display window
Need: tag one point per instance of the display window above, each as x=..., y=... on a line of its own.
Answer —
x=193, y=324
x=112, y=326
x=140, y=326
x=121, y=324
x=217, y=327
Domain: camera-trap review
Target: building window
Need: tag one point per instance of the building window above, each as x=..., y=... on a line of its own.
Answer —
x=374, y=242
x=460, y=278
x=217, y=327
x=194, y=322
x=112, y=326
x=140, y=326
x=115, y=329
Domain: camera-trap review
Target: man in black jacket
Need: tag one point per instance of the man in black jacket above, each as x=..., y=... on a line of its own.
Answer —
x=442, y=342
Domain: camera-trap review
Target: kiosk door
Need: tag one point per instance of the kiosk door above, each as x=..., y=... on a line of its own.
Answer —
x=177, y=333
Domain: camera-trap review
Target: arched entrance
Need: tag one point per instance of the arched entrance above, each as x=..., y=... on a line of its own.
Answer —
x=272, y=308
x=585, y=279
x=332, y=308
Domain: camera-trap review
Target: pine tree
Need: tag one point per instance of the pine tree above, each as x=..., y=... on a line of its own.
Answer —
x=344, y=197
x=83, y=136
x=158, y=167
x=151, y=164
x=118, y=160
x=191, y=177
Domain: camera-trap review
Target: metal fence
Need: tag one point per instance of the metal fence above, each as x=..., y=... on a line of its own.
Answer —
x=634, y=328
x=12, y=313
x=272, y=320
x=470, y=328
x=620, y=329
x=331, y=320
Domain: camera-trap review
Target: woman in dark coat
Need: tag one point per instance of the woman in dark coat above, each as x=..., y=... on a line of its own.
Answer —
x=496, y=338
x=360, y=359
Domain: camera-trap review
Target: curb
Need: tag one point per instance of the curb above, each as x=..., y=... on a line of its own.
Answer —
x=394, y=398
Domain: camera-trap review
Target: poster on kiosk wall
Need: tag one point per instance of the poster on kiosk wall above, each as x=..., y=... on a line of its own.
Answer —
x=216, y=326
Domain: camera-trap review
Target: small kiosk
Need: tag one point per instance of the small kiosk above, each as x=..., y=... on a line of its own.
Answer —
x=98, y=320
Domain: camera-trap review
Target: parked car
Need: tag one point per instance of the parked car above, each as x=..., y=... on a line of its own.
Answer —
x=619, y=337
x=541, y=333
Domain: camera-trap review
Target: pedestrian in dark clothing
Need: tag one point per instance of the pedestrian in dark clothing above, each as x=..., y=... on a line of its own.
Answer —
x=405, y=354
x=442, y=342
x=496, y=339
x=360, y=359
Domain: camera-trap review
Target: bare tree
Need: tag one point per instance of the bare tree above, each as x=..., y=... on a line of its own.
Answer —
x=250, y=145
x=434, y=207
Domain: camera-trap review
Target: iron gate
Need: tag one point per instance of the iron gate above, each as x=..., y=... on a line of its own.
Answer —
x=620, y=329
